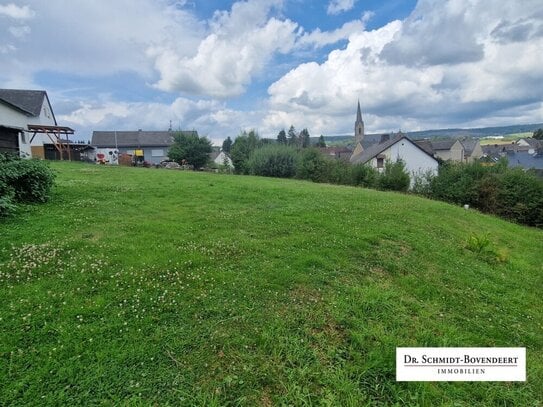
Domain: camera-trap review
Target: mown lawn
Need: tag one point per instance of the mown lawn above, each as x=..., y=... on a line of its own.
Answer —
x=155, y=287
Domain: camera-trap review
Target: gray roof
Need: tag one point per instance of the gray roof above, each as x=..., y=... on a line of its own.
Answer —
x=525, y=160
x=377, y=149
x=135, y=139
x=443, y=144
x=534, y=143
x=426, y=145
x=27, y=101
x=469, y=146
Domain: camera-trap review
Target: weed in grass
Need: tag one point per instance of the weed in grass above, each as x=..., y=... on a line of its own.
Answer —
x=481, y=245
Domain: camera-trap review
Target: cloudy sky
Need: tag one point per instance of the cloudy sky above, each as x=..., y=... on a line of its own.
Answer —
x=222, y=66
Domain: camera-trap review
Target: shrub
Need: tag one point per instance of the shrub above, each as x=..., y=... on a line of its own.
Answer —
x=7, y=194
x=273, y=160
x=422, y=183
x=340, y=172
x=394, y=177
x=30, y=180
x=364, y=176
x=313, y=166
x=513, y=194
x=520, y=197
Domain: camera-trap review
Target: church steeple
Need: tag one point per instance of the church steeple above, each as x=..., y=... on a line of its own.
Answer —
x=358, y=126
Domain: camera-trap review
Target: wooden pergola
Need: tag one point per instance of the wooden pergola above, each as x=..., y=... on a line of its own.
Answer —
x=55, y=134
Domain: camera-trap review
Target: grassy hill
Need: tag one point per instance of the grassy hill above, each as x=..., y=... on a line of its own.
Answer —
x=142, y=286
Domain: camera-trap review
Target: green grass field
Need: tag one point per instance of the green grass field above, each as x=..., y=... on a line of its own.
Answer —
x=142, y=287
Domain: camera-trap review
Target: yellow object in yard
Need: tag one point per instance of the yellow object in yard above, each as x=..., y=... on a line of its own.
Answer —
x=138, y=153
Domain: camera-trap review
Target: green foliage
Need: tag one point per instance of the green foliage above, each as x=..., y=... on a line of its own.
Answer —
x=190, y=148
x=538, y=134
x=365, y=176
x=481, y=245
x=242, y=148
x=23, y=181
x=292, y=136
x=340, y=173
x=273, y=160
x=422, y=184
x=7, y=195
x=394, y=177
x=313, y=166
x=282, y=137
x=31, y=180
x=511, y=193
x=477, y=243
x=304, y=138
x=321, y=143
x=519, y=197
x=227, y=144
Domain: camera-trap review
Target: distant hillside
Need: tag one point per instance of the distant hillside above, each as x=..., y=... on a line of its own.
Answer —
x=481, y=132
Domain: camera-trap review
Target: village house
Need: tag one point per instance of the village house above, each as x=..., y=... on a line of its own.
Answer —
x=28, y=124
x=452, y=150
x=398, y=147
x=149, y=146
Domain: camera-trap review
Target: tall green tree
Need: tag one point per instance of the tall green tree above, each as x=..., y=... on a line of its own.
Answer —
x=282, y=137
x=292, y=137
x=243, y=146
x=304, y=139
x=227, y=144
x=191, y=148
x=538, y=134
x=321, y=142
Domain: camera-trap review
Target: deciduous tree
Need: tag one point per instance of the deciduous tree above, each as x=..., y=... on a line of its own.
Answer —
x=191, y=148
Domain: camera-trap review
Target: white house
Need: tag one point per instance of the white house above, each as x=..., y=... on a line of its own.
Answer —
x=416, y=160
x=223, y=159
x=19, y=109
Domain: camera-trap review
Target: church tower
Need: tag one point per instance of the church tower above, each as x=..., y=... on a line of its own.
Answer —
x=358, y=126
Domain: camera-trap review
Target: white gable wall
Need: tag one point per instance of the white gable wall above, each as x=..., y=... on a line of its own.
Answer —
x=220, y=160
x=15, y=118
x=417, y=162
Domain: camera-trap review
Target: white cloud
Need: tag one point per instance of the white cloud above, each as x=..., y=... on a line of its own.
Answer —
x=94, y=38
x=318, y=38
x=19, y=13
x=239, y=45
x=454, y=63
x=339, y=6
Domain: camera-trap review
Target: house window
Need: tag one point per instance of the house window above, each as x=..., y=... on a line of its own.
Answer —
x=380, y=162
x=157, y=153
x=23, y=137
